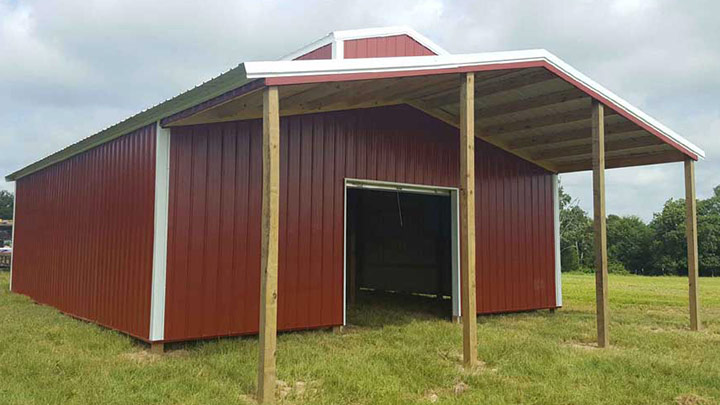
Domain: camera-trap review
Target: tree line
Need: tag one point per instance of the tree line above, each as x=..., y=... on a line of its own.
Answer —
x=6, y=204
x=655, y=248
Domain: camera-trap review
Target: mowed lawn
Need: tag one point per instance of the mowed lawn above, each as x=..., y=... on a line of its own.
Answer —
x=392, y=355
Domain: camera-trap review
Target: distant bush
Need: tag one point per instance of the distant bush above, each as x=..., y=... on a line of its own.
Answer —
x=617, y=268
x=569, y=259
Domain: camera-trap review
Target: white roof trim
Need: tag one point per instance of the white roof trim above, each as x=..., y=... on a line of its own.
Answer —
x=289, y=68
x=337, y=37
x=328, y=39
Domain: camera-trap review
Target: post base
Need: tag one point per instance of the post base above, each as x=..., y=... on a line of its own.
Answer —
x=157, y=347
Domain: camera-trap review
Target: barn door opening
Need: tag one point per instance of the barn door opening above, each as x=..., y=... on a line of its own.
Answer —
x=401, y=247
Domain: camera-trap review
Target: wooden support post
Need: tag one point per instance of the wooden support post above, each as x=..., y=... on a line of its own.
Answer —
x=692, y=248
x=601, y=271
x=157, y=347
x=269, y=261
x=467, y=219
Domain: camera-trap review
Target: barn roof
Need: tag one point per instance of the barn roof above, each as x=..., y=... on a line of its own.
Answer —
x=422, y=81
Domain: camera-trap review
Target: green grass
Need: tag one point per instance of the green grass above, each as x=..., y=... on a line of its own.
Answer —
x=396, y=354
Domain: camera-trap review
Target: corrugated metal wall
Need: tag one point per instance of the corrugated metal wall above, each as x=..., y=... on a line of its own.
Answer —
x=396, y=45
x=515, y=252
x=324, y=52
x=84, y=234
x=215, y=202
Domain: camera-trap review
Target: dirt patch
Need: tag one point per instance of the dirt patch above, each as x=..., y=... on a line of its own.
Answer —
x=248, y=399
x=480, y=368
x=457, y=358
x=141, y=357
x=581, y=345
x=692, y=399
x=299, y=391
x=459, y=388
x=180, y=353
x=432, y=397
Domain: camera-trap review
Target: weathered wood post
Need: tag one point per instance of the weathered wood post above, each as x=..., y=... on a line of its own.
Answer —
x=692, y=248
x=269, y=261
x=601, y=270
x=467, y=218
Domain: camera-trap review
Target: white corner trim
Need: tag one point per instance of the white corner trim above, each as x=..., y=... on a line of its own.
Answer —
x=556, y=231
x=159, y=268
x=12, y=236
x=327, y=39
x=455, y=248
x=345, y=230
x=274, y=69
x=338, y=49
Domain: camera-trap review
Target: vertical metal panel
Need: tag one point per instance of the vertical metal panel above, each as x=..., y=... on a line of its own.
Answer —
x=324, y=52
x=396, y=45
x=515, y=251
x=84, y=239
x=214, y=240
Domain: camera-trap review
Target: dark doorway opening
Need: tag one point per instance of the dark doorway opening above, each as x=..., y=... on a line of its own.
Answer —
x=399, y=255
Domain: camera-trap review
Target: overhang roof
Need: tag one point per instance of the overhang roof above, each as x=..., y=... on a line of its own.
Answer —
x=354, y=69
x=537, y=104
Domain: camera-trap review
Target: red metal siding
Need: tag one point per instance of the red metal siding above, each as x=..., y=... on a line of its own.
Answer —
x=215, y=203
x=515, y=252
x=324, y=52
x=84, y=234
x=396, y=45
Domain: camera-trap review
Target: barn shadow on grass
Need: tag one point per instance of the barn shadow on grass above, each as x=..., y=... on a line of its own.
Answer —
x=379, y=308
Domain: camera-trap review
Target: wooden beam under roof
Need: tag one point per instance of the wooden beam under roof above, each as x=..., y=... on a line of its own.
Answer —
x=454, y=121
x=612, y=144
x=503, y=83
x=621, y=153
x=535, y=140
x=623, y=161
x=531, y=114
x=517, y=106
x=550, y=120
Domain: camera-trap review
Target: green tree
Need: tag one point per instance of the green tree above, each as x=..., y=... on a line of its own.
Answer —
x=629, y=240
x=709, y=234
x=6, y=204
x=669, y=246
x=576, y=238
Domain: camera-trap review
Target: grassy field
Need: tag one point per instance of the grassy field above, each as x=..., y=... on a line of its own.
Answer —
x=406, y=354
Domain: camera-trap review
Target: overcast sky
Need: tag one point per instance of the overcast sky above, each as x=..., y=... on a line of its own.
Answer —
x=71, y=68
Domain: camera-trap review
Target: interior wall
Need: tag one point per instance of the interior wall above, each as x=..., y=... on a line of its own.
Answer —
x=402, y=241
x=215, y=203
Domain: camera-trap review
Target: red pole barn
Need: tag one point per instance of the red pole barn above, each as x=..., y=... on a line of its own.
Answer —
x=370, y=159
